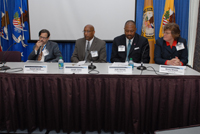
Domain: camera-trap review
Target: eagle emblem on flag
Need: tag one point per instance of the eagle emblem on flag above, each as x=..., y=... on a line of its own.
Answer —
x=19, y=19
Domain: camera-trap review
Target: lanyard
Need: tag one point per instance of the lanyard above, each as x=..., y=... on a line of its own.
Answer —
x=44, y=47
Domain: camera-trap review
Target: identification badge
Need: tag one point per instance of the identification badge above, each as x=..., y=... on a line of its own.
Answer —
x=45, y=52
x=94, y=53
x=179, y=46
x=121, y=48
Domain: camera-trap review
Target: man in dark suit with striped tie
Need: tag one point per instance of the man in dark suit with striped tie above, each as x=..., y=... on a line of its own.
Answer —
x=130, y=45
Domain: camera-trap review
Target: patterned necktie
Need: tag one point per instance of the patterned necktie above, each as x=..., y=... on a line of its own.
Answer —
x=128, y=49
x=40, y=56
x=87, y=51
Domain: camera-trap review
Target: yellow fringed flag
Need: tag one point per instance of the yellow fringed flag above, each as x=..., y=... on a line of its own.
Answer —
x=148, y=27
x=168, y=15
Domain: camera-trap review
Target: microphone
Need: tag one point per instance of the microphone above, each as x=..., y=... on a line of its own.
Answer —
x=142, y=67
x=91, y=66
x=3, y=62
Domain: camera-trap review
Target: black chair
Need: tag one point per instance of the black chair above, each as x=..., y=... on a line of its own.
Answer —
x=10, y=56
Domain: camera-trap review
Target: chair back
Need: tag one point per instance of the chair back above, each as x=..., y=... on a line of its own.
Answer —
x=10, y=56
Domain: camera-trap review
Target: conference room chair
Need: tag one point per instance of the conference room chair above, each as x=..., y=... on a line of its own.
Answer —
x=10, y=56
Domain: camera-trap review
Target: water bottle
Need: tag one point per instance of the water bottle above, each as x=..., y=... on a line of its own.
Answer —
x=60, y=63
x=130, y=63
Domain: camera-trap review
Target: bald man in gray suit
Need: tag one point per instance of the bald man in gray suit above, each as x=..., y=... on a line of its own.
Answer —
x=89, y=48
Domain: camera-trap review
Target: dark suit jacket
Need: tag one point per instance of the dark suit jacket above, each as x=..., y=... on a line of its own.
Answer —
x=97, y=45
x=137, y=49
x=163, y=52
x=53, y=56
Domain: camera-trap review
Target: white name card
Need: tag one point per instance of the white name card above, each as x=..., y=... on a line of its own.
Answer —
x=35, y=68
x=119, y=69
x=172, y=69
x=76, y=69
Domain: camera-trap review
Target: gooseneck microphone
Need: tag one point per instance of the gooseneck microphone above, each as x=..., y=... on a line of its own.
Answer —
x=143, y=67
x=3, y=62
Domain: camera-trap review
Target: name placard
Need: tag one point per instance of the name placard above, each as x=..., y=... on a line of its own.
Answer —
x=35, y=68
x=172, y=69
x=76, y=69
x=119, y=69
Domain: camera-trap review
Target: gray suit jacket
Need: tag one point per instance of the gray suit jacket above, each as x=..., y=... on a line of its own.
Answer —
x=97, y=45
x=53, y=56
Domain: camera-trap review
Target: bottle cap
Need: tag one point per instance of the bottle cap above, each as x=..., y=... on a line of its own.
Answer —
x=131, y=59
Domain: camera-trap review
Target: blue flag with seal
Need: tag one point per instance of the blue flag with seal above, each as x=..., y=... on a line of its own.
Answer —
x=4, y=22
x=20, y=26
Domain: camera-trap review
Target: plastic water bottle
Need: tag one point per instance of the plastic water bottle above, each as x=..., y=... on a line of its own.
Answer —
x=130, y=63
x=60, y=63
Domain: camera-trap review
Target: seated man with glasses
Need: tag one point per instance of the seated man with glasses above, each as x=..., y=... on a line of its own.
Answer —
x=45, y=50
x=89, y=48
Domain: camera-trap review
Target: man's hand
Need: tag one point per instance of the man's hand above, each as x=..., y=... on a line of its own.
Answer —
x=38, y=44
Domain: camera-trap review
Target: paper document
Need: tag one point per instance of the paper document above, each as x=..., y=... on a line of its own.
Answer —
x=116, y=64
x=120, y=64
x=80, y=63
x=35, y=61
x=137, y=64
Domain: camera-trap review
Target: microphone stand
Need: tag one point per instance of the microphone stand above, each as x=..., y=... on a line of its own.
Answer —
x=91, y=66
x=3, y=62
x=4, y=67
x=142, y=67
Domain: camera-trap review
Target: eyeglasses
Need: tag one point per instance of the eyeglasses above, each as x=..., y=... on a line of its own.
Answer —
x=87, y=31
x=43, y=37
x=131, y=31
x=167, y=32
